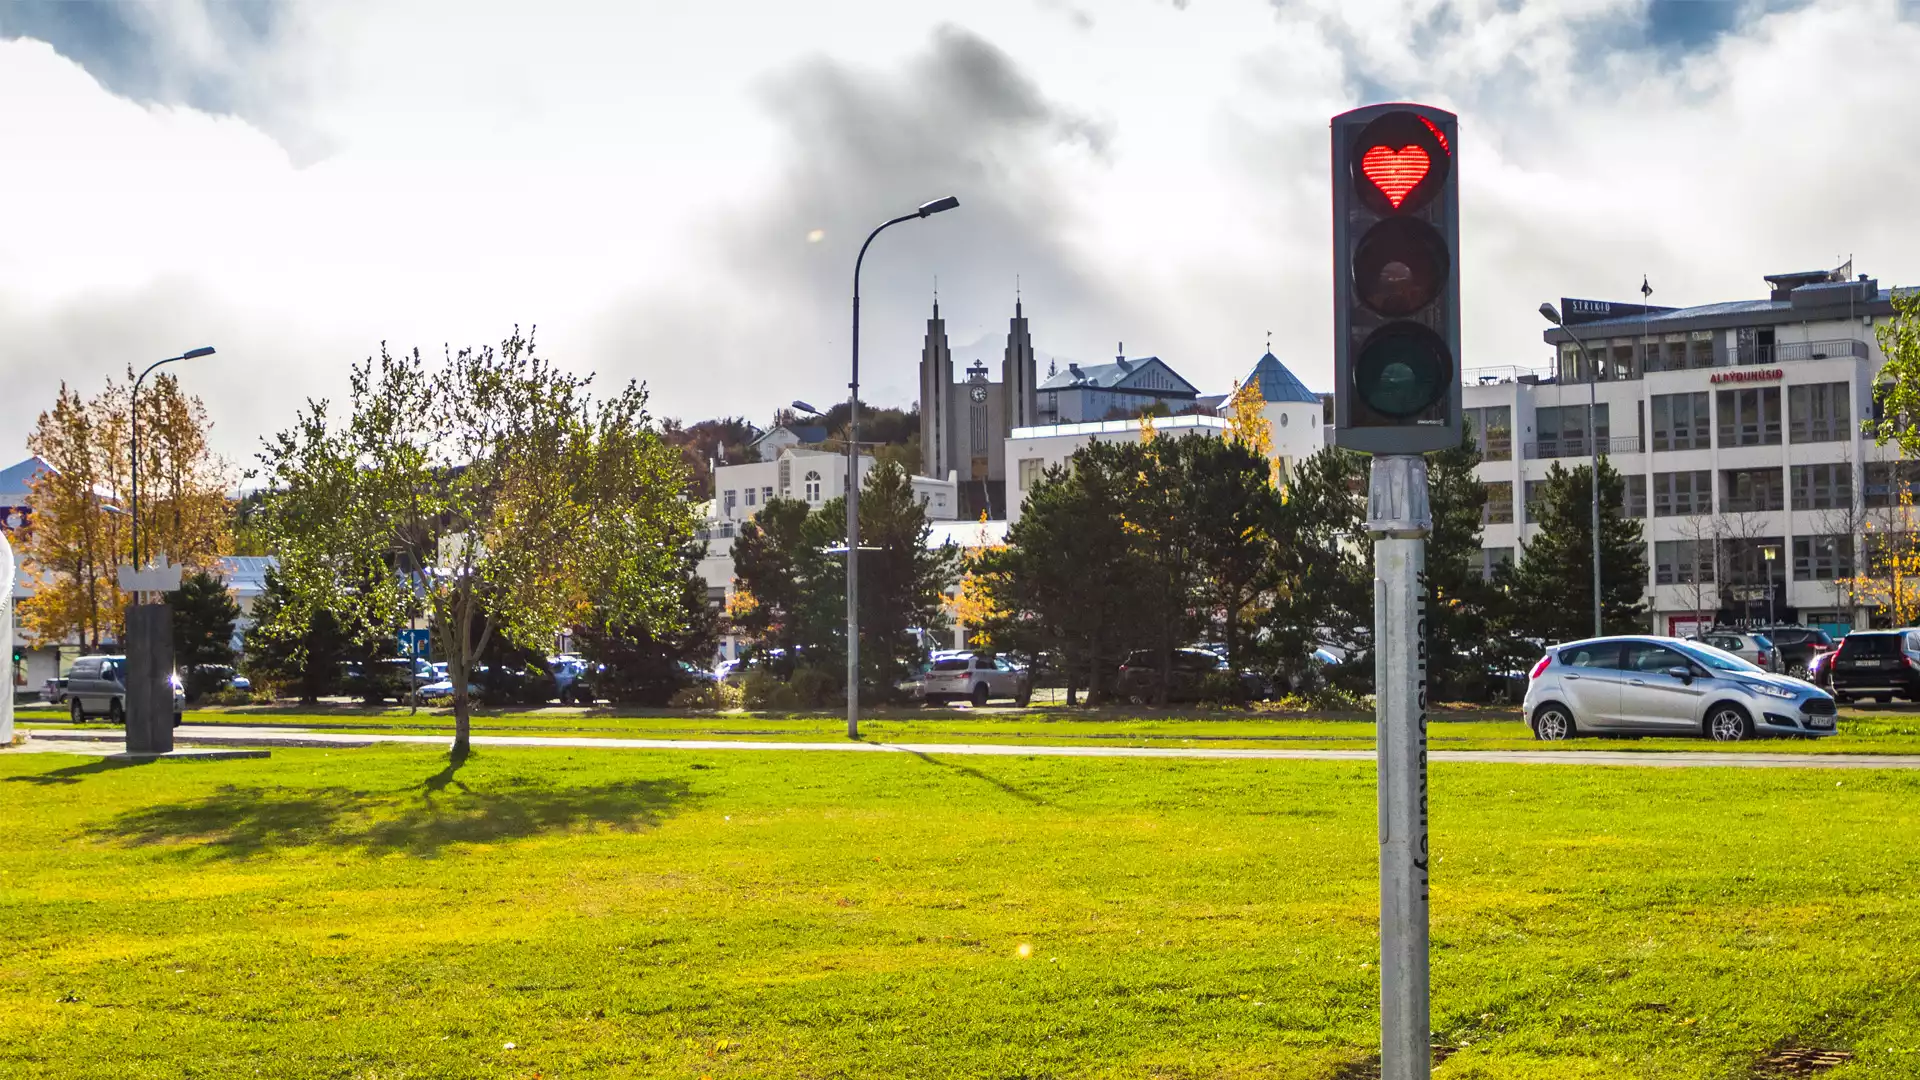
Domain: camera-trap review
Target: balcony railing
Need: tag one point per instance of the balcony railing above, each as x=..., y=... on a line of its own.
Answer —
x=1787, y=351
x=1581, y=446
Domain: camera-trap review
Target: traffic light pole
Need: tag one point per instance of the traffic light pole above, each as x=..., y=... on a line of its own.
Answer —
x=1398, y=519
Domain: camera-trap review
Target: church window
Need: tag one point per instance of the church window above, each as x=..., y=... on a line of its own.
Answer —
x=813, y=488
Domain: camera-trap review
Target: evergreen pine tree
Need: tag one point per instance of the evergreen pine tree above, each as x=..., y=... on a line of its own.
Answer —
x=1551, y=586
x=203, y=616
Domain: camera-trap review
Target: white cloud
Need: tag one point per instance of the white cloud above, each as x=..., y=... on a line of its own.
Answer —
x=644, y=185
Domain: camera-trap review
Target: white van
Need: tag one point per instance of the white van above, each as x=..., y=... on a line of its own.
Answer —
x=97, y=686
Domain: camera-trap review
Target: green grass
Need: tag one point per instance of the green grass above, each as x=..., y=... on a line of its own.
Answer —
x=374, y=914
x=1860, y=732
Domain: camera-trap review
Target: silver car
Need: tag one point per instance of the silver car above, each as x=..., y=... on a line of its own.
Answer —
x=974, y=676
x=1666, y=686
x=1756, y=649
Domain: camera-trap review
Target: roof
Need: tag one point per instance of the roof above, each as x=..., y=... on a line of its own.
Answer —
x=1811, y=302
x=19, y=478
x=1277, y=384
x=1186, y=422
x=1122, y=374
x=247, y=574
x=806, y=433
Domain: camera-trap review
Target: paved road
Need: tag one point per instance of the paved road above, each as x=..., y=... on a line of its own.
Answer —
x=218, y=736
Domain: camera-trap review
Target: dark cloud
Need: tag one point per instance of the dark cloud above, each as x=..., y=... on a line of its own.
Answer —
x=223, y=58
x=861, y=146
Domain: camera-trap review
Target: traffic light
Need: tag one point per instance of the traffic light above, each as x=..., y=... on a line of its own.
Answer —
x=1396, y=280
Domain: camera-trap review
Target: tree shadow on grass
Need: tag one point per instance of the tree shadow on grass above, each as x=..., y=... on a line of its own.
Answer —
x=72, y=774
x=976, y=774
x=239, y=822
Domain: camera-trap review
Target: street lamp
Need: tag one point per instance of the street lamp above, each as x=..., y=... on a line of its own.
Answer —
x=853, y=469
x=1548, y=312
x=190, y=354
x=1770, y=552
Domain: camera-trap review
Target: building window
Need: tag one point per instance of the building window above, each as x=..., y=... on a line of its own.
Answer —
x=1493, y=431
x=1822, y=558
x=749, y=494
x=1030, y=472
x=1700, y=349
x=1533, y=493
x=766, y=495
x=1823, y=487
x=786, y=476
x=1682, y=493
x=1563, y=430
x=1682, y=421
x=726, y=502
x=1499, y=508
x=1819, y=413
x=1750, y=417
x=813, y=491
x=1636, y=495
x=1491, y=559
x=1884, y=480
x=1746, y=560
x=1682, y=562
x=1750, y=490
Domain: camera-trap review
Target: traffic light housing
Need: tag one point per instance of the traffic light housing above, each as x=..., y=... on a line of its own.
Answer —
x=1396, y=280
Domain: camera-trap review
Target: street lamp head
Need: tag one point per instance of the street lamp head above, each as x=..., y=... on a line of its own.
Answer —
x=938, y=205
x=1550, y=313
x=806, y=408
x=195, y=354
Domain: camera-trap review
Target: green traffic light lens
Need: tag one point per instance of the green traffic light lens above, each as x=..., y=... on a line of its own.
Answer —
x=1404, y=369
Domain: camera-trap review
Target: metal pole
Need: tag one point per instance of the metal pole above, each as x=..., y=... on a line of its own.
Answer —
x=1593, y=409
x=1399, y=519
x=853, y=512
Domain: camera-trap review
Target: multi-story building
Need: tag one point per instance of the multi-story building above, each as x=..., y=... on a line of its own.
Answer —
x=1737, y=429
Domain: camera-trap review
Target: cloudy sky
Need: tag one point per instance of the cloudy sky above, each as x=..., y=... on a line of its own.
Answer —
x=675, y=192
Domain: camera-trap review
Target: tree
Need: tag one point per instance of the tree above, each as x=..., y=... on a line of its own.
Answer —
x=493, y=491
x=642, y=661
x=203, y=616
x=1226, y=488
x=299, y=647
x=1247, y=421
x=1896, y=397
x=1551, y=585
x=902, y=581
x=82, y=533
x=1890, y=581
x=1323, y=591
x=1463, y=606
x=779, y=575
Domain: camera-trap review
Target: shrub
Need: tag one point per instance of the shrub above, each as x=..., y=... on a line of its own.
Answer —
x=764, y=690
x=717, y=696
x=1222, y=688
x=813, y=687
x=227, y=696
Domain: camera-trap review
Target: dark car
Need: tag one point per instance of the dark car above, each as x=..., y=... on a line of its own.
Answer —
x=1877, y=664
x=1193, y=671
x=1798, y=646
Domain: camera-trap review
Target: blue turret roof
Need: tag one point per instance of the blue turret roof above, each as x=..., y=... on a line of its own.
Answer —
x=1277, y=384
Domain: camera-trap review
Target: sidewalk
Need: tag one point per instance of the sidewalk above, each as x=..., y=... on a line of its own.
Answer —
x=195, y=735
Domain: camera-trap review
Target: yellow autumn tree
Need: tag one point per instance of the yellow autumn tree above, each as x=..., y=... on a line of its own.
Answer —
x=972, y=604
x=81, y=533
x=1890, y=581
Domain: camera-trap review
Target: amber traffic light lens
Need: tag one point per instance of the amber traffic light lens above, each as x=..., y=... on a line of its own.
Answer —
x=1400, y=267
x=1404, y=368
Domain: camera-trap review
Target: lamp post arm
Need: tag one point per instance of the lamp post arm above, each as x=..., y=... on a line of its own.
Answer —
x=133, y=410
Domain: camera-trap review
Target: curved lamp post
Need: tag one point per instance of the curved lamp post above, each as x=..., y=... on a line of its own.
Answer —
x=1548, y=312
x=853, y=469
x=190, y=354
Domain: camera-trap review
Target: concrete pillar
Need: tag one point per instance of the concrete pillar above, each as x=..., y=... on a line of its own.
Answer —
x=149, y=678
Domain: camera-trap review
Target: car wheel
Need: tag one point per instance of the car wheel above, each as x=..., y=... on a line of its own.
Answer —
x=79, y=714
x=1729, y=723
x=1799, y=671
x=979, y=694
x=1553, y=723
x=115, y=713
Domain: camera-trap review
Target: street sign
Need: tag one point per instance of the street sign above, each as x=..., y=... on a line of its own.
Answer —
x=413, y=643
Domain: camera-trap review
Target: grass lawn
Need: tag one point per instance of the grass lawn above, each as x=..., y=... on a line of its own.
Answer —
x=373, y=914
x=1861, y=731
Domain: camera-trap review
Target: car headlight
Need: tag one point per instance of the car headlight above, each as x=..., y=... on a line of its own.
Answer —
x=1773, y=691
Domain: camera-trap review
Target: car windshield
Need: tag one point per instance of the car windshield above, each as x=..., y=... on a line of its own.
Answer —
x=1717, y=658
x=952, y=663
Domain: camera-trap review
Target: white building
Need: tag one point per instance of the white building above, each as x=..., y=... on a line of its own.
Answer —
x=1293, y=414
x=1737, y=427
x=811, y=476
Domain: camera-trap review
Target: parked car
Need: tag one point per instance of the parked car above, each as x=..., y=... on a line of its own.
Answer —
x=394, y=679
x=1798, y=646
x=1660, y=685
x=203, y=679
x=1140, y=676
x=1877, y=664
x=979, y=677
x=97, y=686
x=440, y=691
x=55, y=691
x=1820, y=669
x=1756, y=649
